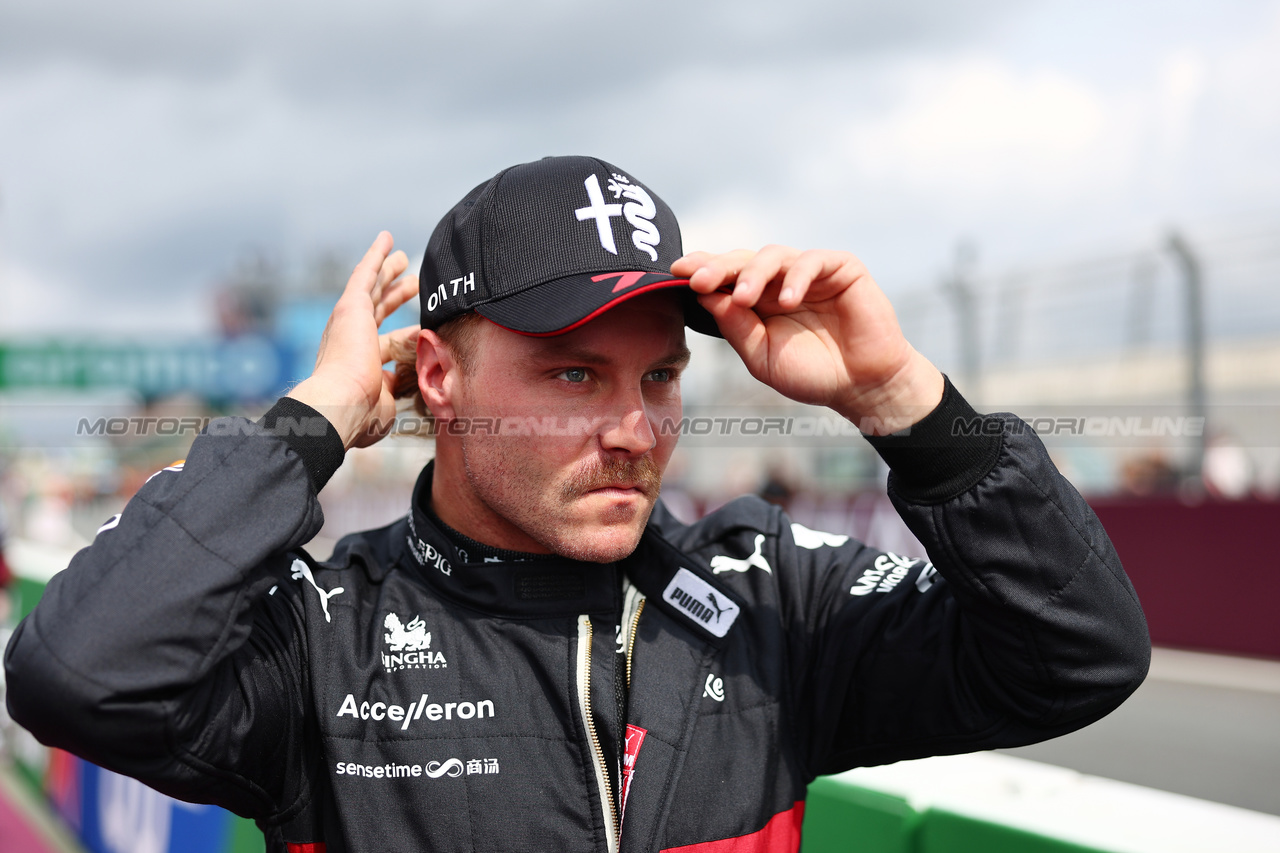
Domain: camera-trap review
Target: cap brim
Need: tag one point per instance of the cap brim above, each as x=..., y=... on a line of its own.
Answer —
x=565, y=304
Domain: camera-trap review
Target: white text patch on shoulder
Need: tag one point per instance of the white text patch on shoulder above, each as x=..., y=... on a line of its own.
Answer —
x=701, y=602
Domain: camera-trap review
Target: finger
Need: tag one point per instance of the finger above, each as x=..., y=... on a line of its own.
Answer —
x=392, y=298
x=806, y=268
x=396, y=263
x=767, y=265
x=399, y=346
x=826, y=271
x=690, y=263
x=365, y=276
x=742, y=328
x=707, y=272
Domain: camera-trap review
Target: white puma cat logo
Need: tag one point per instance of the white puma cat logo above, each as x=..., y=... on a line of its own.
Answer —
x=725, y=563
x=301, y=571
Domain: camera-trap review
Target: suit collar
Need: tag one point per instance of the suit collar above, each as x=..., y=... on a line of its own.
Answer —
x=673, y=581
x=521, y=589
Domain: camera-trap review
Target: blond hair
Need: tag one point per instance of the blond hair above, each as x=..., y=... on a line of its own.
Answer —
x=460, y=336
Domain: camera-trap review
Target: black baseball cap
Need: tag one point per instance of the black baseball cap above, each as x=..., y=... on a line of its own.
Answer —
x=543, y=247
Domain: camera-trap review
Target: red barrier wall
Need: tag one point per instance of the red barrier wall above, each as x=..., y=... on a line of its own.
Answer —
x=1208, y=575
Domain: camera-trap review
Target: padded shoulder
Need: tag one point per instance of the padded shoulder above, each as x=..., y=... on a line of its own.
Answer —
x=369, y=551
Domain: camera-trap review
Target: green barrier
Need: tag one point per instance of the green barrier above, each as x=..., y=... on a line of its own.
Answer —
x=947, y=832
x=31, y=776
x=246, y=837
x=24, y=593
x=844, y=818
x=840, y=818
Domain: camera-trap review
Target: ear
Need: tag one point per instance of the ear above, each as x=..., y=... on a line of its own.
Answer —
x=438, y=375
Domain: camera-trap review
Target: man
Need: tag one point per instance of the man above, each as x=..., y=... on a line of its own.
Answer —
x=538, y=656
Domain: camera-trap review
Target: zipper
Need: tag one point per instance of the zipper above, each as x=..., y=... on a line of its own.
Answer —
x=631, y=636
x=608, y=808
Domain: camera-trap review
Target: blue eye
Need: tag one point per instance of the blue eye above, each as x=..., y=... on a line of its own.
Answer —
x=574, y=374
x=660, y=375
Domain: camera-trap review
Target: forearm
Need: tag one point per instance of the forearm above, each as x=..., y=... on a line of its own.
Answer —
x=1043, y=593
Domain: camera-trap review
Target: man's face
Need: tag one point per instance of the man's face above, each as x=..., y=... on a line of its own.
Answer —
x=582, y=470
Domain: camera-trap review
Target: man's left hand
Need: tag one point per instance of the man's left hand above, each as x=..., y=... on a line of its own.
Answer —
x=814, y=326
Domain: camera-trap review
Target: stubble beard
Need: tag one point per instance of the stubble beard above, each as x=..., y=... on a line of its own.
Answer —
x=549, y=515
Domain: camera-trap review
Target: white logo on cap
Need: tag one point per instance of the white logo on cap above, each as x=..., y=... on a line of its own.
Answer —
x=602, y=213
x=639, y=211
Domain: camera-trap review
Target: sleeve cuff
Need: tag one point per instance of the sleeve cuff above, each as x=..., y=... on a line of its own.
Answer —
x=310, y=435
x=945, y=453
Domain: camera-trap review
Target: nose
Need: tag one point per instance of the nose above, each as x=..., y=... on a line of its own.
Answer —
x=628, y=429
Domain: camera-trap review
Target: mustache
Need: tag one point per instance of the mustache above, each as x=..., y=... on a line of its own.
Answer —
x=602, y=473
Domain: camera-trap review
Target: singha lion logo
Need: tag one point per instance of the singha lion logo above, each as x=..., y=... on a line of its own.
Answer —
x=413, y=637
x=639, y=212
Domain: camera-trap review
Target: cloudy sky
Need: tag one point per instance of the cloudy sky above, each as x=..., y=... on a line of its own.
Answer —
x=146, y=146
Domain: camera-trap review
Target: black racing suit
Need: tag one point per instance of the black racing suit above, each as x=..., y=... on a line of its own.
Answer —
x=399, y=697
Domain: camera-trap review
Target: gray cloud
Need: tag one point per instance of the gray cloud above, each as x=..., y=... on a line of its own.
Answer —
x=144, y=146
x=162, y=136
x=472, y=57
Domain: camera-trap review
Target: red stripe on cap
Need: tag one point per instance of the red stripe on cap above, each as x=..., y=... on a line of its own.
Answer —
x=625, y=279
x=780, y=835
x=310, y=847
x=671, y=282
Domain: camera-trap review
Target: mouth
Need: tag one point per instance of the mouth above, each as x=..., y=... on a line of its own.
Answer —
x=619, y=489
x=621, y=480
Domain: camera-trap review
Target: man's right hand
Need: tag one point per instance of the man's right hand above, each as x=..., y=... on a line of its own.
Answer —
x=815, y=327
x=349, y=386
